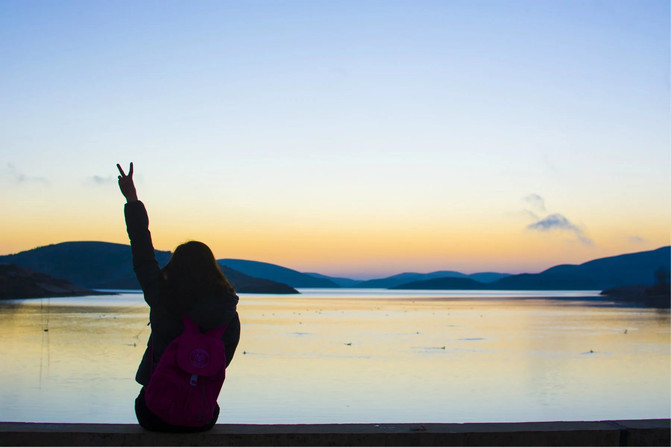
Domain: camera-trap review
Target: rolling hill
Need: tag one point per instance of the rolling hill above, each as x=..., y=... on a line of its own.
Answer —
x=341, y=282
x=104, y=265
x=445, y=283
x=405, y=278
x=277, y=273
x=19, y=282
x=599, y=274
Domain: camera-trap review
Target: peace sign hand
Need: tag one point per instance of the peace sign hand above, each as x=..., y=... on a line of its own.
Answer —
x=126, y=184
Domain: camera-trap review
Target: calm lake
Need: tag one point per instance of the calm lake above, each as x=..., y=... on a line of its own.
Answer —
x=353, y=355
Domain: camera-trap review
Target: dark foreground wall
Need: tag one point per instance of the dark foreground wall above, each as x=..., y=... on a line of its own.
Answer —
x=616, y=433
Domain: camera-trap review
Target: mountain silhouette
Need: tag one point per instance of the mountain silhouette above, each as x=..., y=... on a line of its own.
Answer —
x=277, y=273
x=248, y=284
x=105, y=265
x=341, y=282
x=392, y=282
x=599, y=274
x=19, y=282
x=445, y=283
x=89, y=264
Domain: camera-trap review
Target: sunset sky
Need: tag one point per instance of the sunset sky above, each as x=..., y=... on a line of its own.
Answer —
x=350, y=138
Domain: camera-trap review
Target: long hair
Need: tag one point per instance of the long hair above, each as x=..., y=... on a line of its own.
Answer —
x=191, y=274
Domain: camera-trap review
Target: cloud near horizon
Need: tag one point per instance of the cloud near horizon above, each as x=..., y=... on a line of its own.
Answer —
x=551, y=222
x=100, y=180
x=557, y=221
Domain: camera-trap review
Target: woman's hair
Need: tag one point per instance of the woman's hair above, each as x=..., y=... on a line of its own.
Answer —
x=192, y=273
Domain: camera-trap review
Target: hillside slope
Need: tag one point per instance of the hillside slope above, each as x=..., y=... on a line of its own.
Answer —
x=104, y=265
x=19, y=282
x=604, y=273
x=277, y=273
x=598, y=274
x=444, y=284
x=405, y=278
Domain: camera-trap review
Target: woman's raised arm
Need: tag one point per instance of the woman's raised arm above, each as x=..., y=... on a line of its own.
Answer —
x=137, y=224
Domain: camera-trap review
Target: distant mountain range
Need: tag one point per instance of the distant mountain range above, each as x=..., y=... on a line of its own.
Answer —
x=278, y=273
x=341, y=282
x=604, y=273
x=103, y=265
x=317, y=280
x=21, y=282
x=405, y=278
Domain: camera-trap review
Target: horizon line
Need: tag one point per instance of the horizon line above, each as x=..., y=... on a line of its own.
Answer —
x=360, y=276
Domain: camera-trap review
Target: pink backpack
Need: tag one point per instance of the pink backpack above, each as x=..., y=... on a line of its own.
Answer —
x=183, y=389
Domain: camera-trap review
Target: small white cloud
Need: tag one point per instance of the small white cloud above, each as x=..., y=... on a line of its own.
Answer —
x=559, y=222
x=100, y=180
x=552, y=221
x=636, y=240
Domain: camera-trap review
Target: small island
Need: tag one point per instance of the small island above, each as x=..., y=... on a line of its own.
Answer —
x=657, y=295
x=20, y=282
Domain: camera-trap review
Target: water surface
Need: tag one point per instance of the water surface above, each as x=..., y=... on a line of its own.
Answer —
x=340, y=355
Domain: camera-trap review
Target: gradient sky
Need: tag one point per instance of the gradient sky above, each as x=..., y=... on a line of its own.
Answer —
x=352, y=138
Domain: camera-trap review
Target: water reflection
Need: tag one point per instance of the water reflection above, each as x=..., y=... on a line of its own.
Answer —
x=330, y=356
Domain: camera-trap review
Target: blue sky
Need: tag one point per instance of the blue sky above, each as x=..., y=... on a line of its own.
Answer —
x=348, y=137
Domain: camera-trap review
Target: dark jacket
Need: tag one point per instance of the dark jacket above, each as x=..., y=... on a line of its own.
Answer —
x=210, y=311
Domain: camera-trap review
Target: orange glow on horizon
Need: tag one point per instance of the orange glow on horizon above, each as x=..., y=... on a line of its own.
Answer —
x=368, y=245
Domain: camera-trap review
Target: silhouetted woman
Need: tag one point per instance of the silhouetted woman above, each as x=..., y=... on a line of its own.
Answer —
x=191, y=283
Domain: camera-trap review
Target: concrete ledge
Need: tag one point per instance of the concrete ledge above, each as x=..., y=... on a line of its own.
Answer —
x=616, y=433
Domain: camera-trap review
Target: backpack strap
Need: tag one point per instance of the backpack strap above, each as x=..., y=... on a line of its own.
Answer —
x=190, y=326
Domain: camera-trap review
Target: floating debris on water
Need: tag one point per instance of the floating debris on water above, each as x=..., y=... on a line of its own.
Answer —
x=431, y=348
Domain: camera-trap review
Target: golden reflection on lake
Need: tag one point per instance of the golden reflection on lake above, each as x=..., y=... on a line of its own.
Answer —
x=342, y=357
